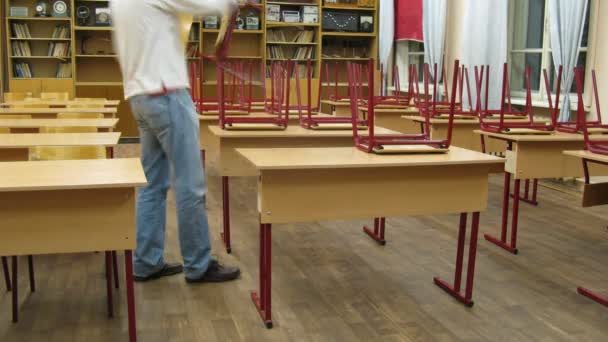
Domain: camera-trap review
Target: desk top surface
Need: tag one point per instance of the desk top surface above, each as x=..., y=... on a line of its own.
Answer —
x=382, y=110
x=71, y=174
x=588, y=155
x=37, y=123
x=19, y=140
x=555, y=136
x=61, y=103
x=351, y=157
x=292, y=118
x=292, y=131
x=343, y=102
x=55, y=110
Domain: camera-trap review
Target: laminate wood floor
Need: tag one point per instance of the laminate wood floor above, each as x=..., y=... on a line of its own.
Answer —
x=332, y=283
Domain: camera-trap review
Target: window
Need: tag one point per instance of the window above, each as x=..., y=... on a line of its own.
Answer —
x=530, y=45
x=408, y=52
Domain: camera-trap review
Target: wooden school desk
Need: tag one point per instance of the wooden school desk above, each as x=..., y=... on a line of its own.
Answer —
x=342, y=183
x=229, y=163
x=52, y=112
x=462, y=133
x=339, y=108
x=34, y=125
x=213, y=120
x=391, y=118
x=594, y=194
x=532, y=157
x=15, y=147
x=342, y=107
x=59, y=103
x=70, y=206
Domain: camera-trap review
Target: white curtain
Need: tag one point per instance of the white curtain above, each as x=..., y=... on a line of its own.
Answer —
x=567, y=18
x=484, y=42
x=433, y=27
x=386, y=33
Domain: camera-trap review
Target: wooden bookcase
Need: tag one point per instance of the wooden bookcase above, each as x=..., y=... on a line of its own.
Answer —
x=96, y=73
x=43, y=68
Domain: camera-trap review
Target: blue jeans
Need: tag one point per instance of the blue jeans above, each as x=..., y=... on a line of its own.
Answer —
x=169, y=134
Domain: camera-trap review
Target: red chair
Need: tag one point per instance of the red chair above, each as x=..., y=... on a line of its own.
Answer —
x=306, y=115
x=506, y=111
x=278, y=105
x=436, y=108
x=581, y=124
x=599, y=146
x=395, y=143
x=397, y=99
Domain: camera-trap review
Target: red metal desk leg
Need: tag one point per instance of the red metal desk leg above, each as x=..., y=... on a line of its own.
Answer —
x=130, y=296
x=483, y=143
x=108, y=257
x=115, y=269
x=7, y=273
x=226, y=206
x=593, y=296
x=526, y=197
x=454, y=290
x=262, y=300
x=30, y=267
x=378, y=232
x=502, y=243
x=15, y=289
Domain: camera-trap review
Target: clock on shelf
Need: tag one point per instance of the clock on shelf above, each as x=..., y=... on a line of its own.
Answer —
x=83, y=14
x=41, y=8
x=60, y=9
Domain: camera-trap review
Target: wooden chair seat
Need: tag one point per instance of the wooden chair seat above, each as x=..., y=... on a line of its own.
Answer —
x=409, y=149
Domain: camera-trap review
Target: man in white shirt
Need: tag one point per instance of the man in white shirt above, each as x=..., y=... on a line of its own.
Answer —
x=151, y=55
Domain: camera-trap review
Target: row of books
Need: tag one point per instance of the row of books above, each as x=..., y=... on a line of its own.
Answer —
x=280, y=52
x=280, y=36
x=64, y=70
x=300, y=69
x=59, y=49
x=192, y=50
x=303, y=52
x=23, y=70
x=193, y=35
x=61, y=31
x=21, y=30
x=21, y=49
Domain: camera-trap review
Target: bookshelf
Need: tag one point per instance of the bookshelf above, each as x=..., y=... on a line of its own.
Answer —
x=95, y=71
x=38, y=50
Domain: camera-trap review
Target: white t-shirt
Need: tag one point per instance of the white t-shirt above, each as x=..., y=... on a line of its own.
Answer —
x=147, y=39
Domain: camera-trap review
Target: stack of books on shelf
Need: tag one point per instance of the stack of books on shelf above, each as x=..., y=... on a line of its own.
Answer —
x=23, y=70
x=306, y=36
x=64, y=70
x=275, y=52
x=193, y=35
x=279, y=36
x=59, y=49
x=21, y=49
x=303, y=52
x=61, y=31
x=192, y=50
x=300, y=69
x=21, y=30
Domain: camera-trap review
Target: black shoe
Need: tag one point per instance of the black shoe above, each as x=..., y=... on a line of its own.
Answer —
x=217, y=273
x=167, y=270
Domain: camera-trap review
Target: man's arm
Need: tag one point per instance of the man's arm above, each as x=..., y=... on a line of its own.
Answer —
x=195, y=7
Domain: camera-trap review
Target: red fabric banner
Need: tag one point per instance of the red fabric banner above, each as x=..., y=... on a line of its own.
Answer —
x=408, y=20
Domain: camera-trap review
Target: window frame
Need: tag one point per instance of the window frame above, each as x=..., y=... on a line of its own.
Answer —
x=539, y=98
